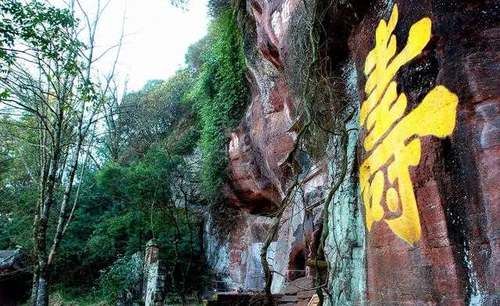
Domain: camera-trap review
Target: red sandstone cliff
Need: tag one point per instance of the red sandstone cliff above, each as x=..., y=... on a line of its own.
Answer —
x=445, y=248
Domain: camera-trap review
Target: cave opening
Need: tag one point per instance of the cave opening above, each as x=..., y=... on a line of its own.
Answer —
x=297, y=264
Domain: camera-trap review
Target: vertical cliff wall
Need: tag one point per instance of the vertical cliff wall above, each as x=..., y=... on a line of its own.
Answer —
x=396, y=175
x=428, y=78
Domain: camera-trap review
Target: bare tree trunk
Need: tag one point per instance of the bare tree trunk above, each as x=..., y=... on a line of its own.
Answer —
x=40, y=283
x=42, y=296
x=34, y=287
x=63, y=213
x=41, y=223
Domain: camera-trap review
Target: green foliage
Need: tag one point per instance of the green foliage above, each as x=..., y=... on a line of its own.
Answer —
x=42, y=28
x=220, y=95
x=122, y=275
x=150, y=116
x=141, y=186
x=120, y=206
x=17, y=193
x=217, y=7
x=194, y=55
x=67, y=296
x=123, y=206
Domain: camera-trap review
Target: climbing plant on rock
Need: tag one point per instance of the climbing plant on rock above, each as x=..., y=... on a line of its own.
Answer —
x=219, y=96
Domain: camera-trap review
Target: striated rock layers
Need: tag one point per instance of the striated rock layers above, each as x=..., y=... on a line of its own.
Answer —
x=415, y=216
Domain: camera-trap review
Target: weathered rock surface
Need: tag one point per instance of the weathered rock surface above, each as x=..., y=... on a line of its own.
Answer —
x=456, y=260
x=445, y=248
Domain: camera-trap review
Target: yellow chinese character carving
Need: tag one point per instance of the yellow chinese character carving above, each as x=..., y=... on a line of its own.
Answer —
x=392, y=139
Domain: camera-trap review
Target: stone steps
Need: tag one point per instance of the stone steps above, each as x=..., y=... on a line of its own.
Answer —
x=238, y=299
x=298, y=293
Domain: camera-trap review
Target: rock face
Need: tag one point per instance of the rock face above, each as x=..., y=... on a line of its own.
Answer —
x=260, y=146
x=455, y=257
x=415, y=215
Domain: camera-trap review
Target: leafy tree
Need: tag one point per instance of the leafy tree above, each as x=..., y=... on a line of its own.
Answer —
x=48, y=79
x=148, y=116
x=194, y=55
x=17, y=191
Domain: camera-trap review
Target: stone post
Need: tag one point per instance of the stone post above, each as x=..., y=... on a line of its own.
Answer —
x=154, y=278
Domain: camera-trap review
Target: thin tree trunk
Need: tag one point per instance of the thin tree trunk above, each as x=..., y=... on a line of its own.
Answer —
x=34, y=287
x=40, y=284
x=42, y=297
x=63, y=214
x=41, y=224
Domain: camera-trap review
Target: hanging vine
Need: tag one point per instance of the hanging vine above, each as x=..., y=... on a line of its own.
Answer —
x=326, y=114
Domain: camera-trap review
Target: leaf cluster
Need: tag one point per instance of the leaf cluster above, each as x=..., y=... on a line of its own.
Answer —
x=42, y=27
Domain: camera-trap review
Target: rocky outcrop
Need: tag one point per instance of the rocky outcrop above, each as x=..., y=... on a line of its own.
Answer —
x=260, y=150
x=260, y=146
x=414, y=218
